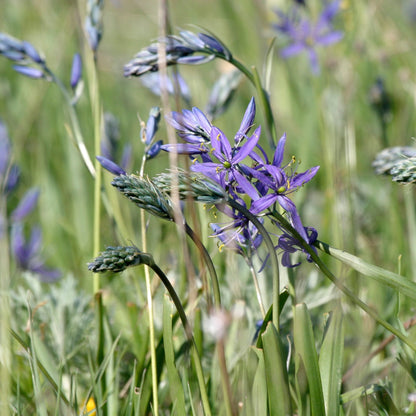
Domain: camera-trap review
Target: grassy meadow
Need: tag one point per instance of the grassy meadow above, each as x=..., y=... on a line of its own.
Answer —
x=333, y=336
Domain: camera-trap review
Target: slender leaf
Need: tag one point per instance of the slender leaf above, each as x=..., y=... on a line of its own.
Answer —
x=259, y=390
x=330, y=363
x=306, y=352
x=393, y=280
x=276, y=374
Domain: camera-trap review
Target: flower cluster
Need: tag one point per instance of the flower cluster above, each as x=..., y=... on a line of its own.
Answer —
x=263, y=182
x=306, y=36
x=25, y=252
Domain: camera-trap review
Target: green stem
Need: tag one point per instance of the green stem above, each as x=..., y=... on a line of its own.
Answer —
x=149, y=295
x=257, y=287
x=324, y=269
x=189, y=335
x=272, y=253
x=208, y=261
x=225, y=379
x=254, y=78
x=76, y=130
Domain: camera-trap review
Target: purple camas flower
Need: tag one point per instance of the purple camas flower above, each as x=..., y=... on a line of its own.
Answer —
x=174, y=83
x=4, y=150
x=152, y=125
x=111, y=166
x=29, y=71
x=239, y=234
x=26, y=205
x=227, y=170
x=76, y=71
x=273, y=177
x=23, y=53
x=265, y=183
x=94, y=22
x=27, y=253
x=289, y=244
x=305, y=35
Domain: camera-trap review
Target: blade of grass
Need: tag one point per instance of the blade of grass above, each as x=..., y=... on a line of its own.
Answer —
x=330, y=363
x=276, y=373
x=259, y=389
x=393, y=280
x=305, y=348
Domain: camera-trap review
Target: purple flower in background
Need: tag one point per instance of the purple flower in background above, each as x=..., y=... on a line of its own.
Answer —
x=290, y=244
x=5, y=149
x=76, y=71
x=152, y=125
x=27, y=253
x=26, y=205
x=173, y=83
x=305, y=35
x=111, y=166
x=194, y=128
x=13, y=178
x=94, y=22
x=28, y=71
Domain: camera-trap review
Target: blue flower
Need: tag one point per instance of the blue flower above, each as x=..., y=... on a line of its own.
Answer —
x=240, y=234
x=111, y=166
x=27, y=253
x=26, y=205
x=305, y=36
x=227, y=171
x=76, y=70
x=290, y=245
x=273, y=177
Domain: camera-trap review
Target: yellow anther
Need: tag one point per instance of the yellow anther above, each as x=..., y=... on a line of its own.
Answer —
x=220, y=247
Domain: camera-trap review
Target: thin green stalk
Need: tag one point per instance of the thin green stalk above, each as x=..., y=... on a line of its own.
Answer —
x=76, y=130
x=188, y=331
x=208, y=261
x=5, y=312
x=230, y=409
x=257, y=287
x=96, y=111
x=254, y=78
x=324, y=269
x=272, y=253
x=149, y=295
x=153, y=358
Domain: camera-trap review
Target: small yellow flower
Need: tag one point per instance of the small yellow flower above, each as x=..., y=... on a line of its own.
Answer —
x=90, y=408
